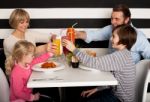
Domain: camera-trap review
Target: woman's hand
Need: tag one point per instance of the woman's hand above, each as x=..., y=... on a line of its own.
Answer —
x=88, y=93
x=69, y=45
x=53, y=36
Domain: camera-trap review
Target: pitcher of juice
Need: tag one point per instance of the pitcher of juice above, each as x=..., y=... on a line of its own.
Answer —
x=57, y=42
x=71, y=34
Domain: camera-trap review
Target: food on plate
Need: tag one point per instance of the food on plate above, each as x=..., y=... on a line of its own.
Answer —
x=48, y=65
x=91, y=53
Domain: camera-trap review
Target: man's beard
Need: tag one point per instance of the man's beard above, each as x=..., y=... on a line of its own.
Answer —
x=118, y=25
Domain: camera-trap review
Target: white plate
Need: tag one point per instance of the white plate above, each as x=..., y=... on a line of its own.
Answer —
x=87, y=68
x=37, y=67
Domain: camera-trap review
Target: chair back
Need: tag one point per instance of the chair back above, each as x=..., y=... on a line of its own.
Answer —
x=141, y=79
x=4, y=87
x=147, y=78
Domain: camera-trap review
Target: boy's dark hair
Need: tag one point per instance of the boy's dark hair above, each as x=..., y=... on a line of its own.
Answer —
x=124, y=9
x=127, y=35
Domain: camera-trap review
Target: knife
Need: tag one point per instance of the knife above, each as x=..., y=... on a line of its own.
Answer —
x=42, y=95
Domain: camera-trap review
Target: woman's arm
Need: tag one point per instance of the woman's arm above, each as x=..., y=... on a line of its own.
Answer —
x=41, y=49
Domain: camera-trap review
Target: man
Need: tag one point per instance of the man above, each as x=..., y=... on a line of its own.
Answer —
x=120, y=15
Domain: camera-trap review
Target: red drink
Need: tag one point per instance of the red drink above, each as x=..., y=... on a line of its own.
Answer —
x=65, y=50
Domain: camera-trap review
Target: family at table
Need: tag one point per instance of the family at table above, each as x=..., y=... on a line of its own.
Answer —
x=127, y=45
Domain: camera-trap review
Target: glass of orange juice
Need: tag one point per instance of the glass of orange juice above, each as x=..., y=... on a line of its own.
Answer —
x=57, y=42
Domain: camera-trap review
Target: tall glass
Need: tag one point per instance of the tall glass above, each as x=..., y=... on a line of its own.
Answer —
x=57, y=42
x=71, y=34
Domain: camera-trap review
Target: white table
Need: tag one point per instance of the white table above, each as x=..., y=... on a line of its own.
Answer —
x=70, y=77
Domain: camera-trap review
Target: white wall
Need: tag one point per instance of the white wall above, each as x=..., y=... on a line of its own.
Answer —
x=65, y=13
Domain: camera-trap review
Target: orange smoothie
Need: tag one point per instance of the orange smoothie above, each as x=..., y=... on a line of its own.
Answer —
x=57, y=42
x=71, y=34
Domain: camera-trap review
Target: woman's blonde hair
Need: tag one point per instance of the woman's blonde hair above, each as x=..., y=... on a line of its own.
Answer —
x=17, y=16
x=21, y=48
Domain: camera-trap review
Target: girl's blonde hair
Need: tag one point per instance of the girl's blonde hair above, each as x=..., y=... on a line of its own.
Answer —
x=21, y=48
x=17, y=16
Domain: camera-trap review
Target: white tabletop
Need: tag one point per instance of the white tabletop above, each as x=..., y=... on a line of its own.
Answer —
x=70, y=77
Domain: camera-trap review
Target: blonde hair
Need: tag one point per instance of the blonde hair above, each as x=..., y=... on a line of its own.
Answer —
x=17, y=16
x=21, y=48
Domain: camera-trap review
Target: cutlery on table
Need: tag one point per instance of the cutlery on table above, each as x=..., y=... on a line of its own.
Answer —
x=42, y=95
x=46, y=79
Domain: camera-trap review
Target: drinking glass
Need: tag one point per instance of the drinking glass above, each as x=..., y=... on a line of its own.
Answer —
x=71, y=34
x=57, y=42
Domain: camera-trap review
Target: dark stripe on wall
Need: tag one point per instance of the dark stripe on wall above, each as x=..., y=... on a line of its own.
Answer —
x=82, y=23
x=72, y=3
x=82, y=44
x=1, y=44
x=93, y=44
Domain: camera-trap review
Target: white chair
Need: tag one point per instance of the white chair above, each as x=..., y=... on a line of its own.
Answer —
x=148, y=97
x=4, y=87
x=142, y=79
x=145, y=94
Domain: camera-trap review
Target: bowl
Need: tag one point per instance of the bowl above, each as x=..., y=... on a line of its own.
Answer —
x=75, y=64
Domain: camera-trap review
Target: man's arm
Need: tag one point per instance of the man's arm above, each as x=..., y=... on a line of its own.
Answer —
x=144, y=47
x=95, y=35
x=80, y=35
x=141, y=47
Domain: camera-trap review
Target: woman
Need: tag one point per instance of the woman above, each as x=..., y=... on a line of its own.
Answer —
x=19, y=20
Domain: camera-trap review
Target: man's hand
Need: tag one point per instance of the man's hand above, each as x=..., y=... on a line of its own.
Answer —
x=80, y=35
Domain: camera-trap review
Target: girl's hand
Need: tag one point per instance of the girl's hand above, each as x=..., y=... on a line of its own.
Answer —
x=54, y=49
x=88, y=93
x=51, y=48
x=36, y=96
x=69, y=45
x=48, y=47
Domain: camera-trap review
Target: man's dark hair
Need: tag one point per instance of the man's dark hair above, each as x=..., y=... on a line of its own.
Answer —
x=124, y=9
x=127, y=35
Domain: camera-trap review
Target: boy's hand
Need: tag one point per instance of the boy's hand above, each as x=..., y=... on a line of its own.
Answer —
x=88, y=93
x=69, y=45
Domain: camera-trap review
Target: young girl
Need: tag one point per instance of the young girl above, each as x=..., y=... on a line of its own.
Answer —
x=120, y=63
x=19, y=66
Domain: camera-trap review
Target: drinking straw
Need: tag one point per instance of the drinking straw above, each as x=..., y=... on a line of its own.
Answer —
x=74, y=24
x=61, y=30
